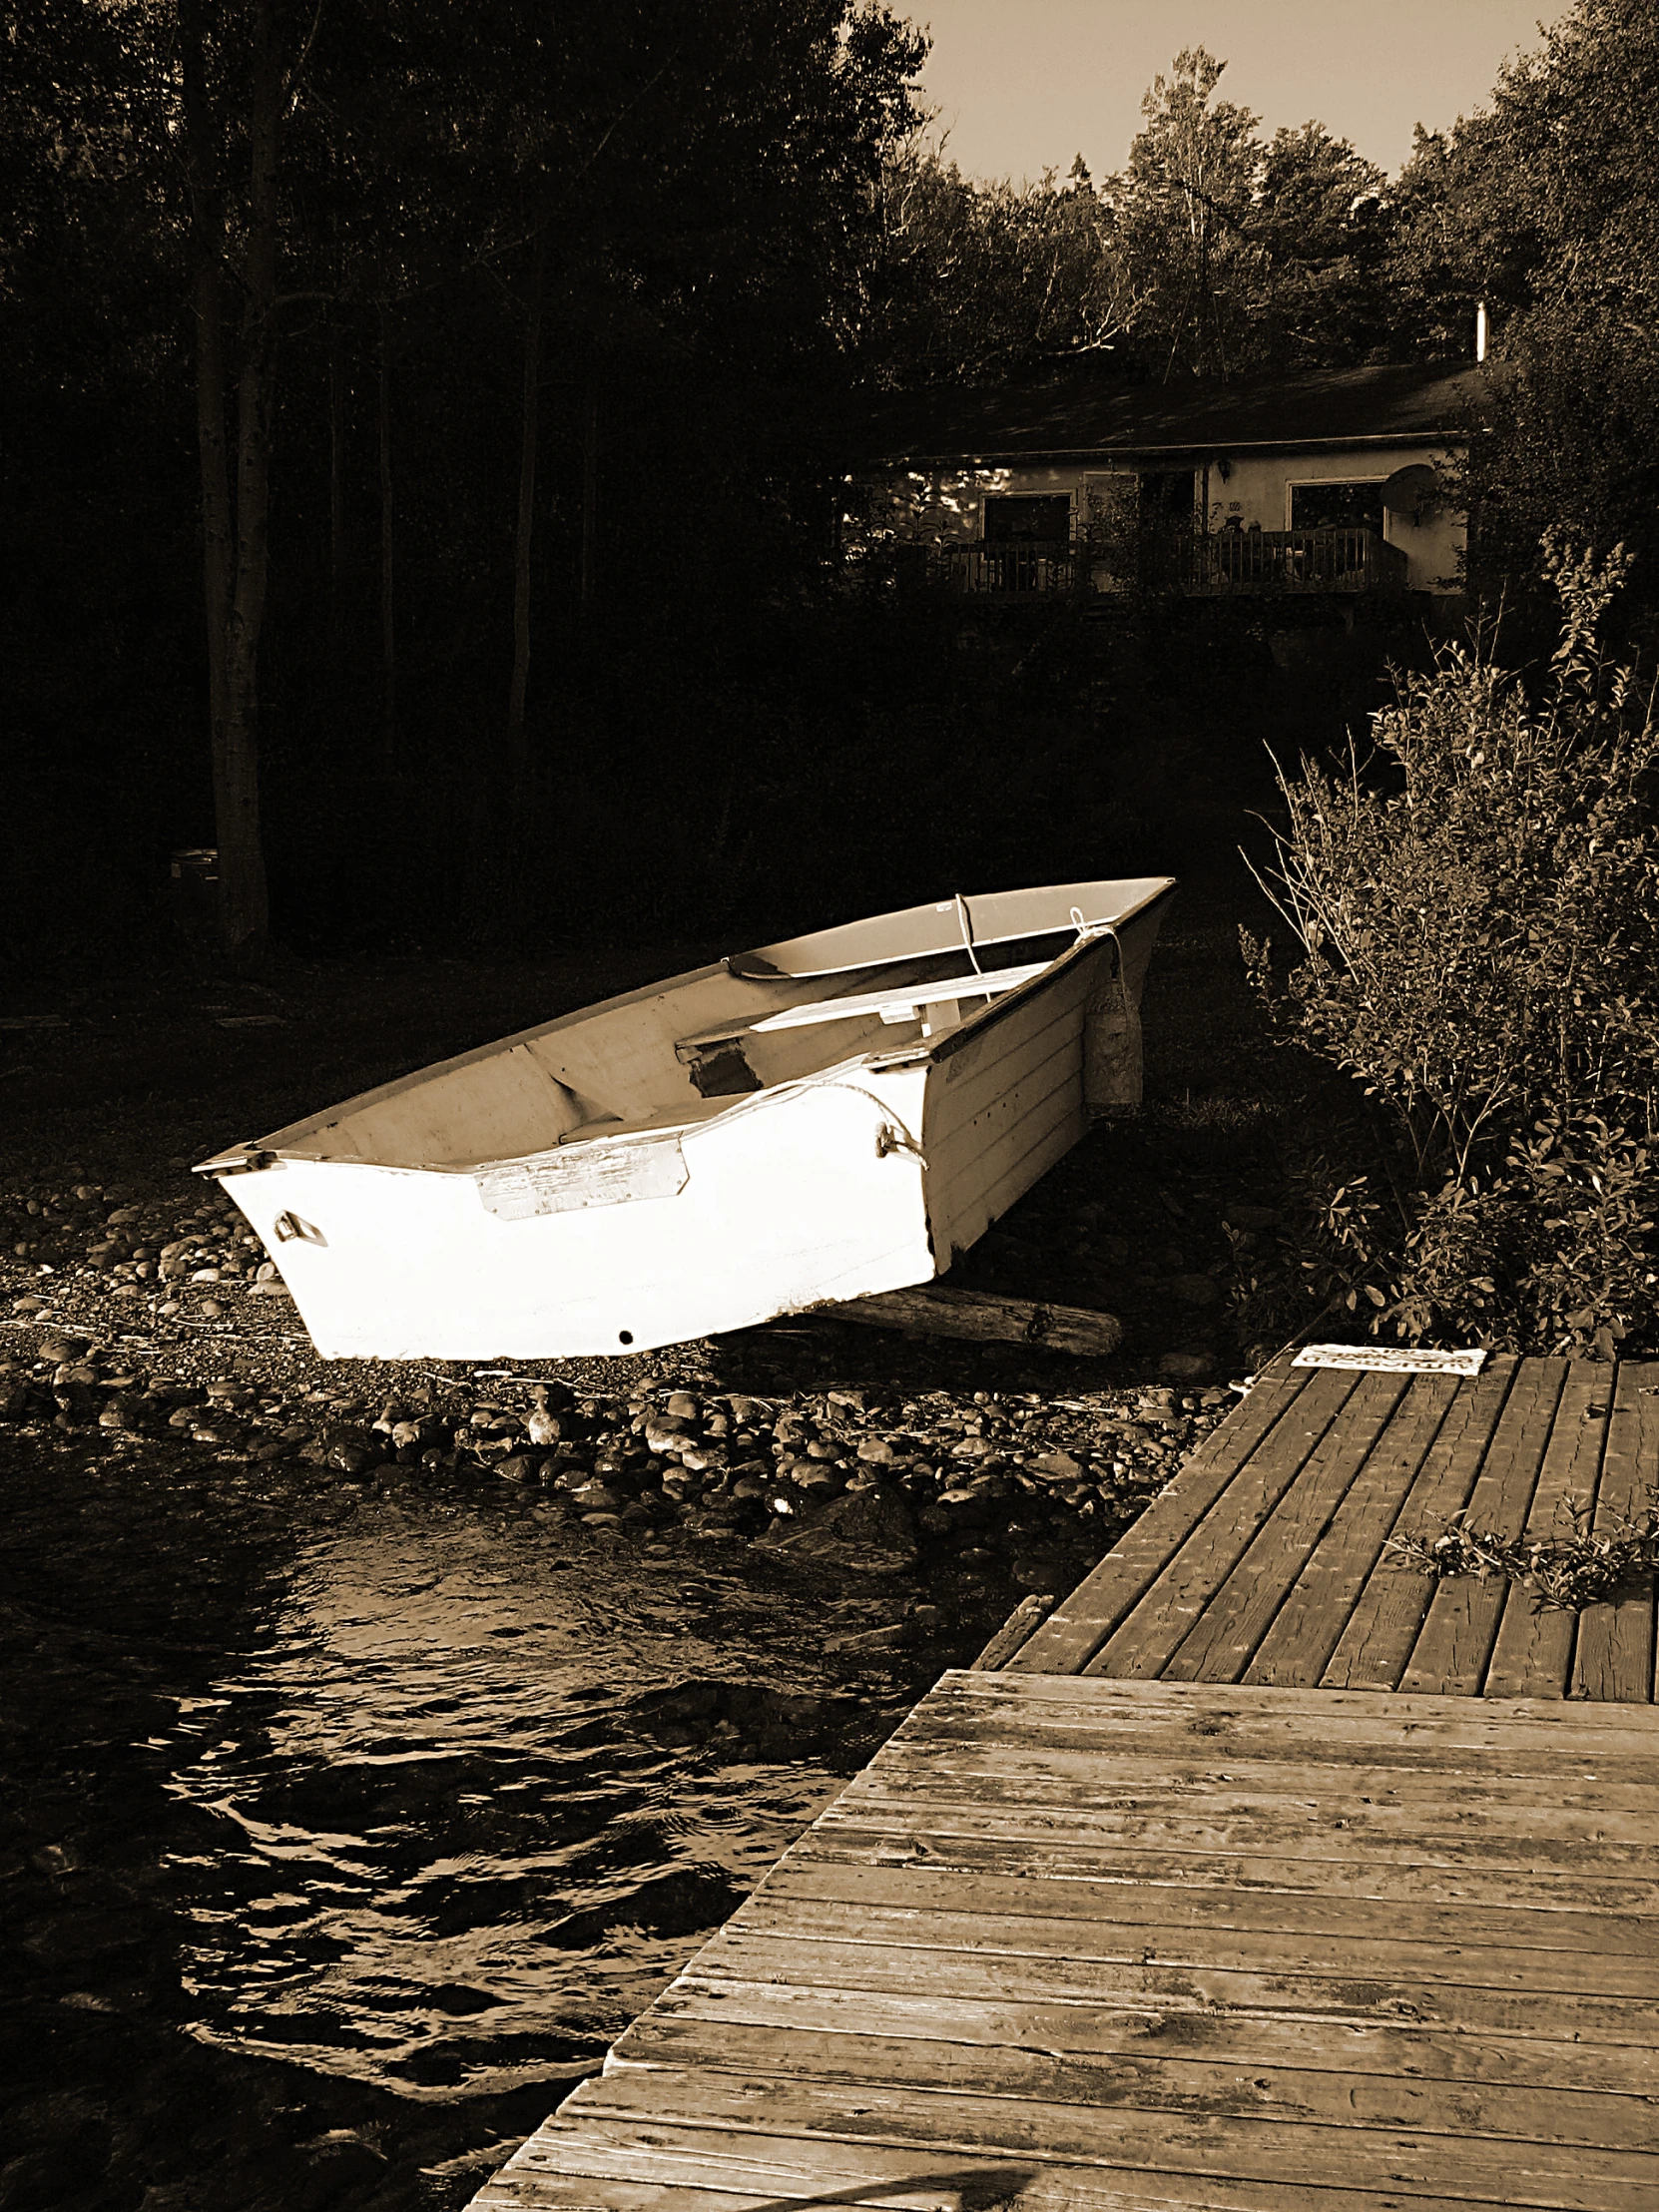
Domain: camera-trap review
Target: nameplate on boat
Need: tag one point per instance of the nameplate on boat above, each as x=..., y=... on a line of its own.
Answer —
x=586, y=1175
x=1387, y=1360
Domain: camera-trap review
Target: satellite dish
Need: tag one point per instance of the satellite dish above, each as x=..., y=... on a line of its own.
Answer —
x=1413, y=491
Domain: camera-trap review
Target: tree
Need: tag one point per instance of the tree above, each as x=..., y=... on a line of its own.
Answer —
x=1182, y=222
x=1320, y=217
x=1545, y=204
x=972, y=281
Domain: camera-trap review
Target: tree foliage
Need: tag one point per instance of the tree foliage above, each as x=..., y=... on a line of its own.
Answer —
x=1212, y=252
x=1545, y=204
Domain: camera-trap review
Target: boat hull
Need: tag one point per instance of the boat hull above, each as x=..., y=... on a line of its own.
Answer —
x=869, y=1175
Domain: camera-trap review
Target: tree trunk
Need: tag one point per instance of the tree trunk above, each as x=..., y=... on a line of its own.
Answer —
x=590, y=489
x=388, y=624
x=336, y=487
x=241, y=877
x=234, y=546
x=207, y=221
x=518, y=750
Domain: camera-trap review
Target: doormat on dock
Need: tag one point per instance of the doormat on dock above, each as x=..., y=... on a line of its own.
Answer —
x=1385, y=1360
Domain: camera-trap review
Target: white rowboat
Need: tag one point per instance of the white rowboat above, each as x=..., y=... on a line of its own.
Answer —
x=809, y=1122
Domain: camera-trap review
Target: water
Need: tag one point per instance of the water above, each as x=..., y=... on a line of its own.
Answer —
x=339, y=1837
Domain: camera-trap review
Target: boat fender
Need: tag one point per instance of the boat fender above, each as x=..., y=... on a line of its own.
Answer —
x=1112, y=1056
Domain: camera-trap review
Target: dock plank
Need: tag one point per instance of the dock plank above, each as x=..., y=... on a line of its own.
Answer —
x=1561, y=2177
x=1305, y=1632
x=1532, y=1653
x=1246, y=2038
x=1223, y=1640
x=1178, y=1948
x=1613, y=1656
x=1154, y=1628
x=1460, y=1629
x=1077, y=1627
x=1374, y=1642
x=583, y=2166
x=933, y=2056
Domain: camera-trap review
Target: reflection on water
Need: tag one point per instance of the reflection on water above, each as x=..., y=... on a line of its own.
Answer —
x=336, y=1838
x=447, y=1850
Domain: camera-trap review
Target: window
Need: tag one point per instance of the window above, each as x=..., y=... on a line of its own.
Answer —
x=1045, y=517
x=1337, y=506
x=1168, y=498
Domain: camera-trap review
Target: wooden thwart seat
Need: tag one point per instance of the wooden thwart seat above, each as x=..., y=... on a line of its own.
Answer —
x=903, y=1005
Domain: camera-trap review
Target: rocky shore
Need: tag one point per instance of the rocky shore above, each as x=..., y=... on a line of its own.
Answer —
x=155, y=1323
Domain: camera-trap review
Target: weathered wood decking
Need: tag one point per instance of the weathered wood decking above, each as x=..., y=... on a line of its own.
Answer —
x=1265, y=1560
x=1256, y=1885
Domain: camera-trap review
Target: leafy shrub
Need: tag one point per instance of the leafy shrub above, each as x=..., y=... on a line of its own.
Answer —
x=1476, y=909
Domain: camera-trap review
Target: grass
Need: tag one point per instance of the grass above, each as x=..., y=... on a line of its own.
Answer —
x=1582, y=1566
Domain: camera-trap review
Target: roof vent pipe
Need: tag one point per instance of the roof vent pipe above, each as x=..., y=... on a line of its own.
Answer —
x=1480, y=330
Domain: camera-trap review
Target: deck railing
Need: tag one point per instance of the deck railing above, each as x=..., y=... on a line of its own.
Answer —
x=1014, y=567
x=1355, y=559
x=1250, y=562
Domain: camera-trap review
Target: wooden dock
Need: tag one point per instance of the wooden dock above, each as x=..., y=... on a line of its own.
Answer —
x=1267, y=1877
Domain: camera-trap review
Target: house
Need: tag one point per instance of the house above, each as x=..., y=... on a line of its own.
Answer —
x=1335, y=482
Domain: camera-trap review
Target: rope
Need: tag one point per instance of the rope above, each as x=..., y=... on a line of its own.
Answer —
x=967, y=927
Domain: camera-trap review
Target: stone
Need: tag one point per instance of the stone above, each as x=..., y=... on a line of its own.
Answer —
x=869, y=1530
x=518, y=1466
x=1187, y=1366
x=211, y=1310
x=974, y=1447
x=595, y=1498
x=205, y=1274
x=1057, y=1466
x=683, y=1405
x=666, y=1433
x=28, y=1304
x=875, y=1451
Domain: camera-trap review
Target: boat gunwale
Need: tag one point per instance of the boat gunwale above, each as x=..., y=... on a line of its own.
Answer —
x=271, y=1150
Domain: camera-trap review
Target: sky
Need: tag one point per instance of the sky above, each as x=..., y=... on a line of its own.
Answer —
x=1023, y=85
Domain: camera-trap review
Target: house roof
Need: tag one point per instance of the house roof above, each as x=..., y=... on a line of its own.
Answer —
x=1079, y=417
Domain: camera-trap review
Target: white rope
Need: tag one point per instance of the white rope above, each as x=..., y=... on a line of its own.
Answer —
x=967, y=927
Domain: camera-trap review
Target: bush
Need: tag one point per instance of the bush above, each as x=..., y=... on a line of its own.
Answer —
x=1476, y=908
